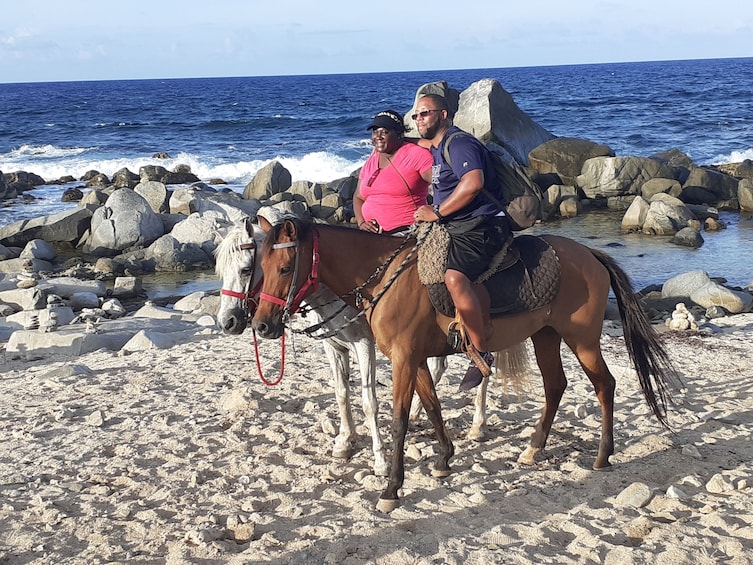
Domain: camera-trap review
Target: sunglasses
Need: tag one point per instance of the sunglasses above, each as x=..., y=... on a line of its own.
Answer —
x=423, y=114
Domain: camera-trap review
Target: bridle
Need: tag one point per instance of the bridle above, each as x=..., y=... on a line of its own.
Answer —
x=248, y=298
x=292, y=303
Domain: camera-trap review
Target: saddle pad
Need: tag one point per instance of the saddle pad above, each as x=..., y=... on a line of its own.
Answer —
x=531, y=283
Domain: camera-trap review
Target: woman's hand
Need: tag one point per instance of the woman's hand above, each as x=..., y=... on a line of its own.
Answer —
x=370, y=225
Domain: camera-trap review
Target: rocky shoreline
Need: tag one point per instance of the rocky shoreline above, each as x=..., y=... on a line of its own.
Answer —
x=82, y=265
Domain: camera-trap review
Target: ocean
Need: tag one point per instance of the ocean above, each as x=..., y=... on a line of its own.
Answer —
x=315, y=125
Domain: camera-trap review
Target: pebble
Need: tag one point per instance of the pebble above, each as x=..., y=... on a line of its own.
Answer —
x=719, y=484
x=691, y=451
x=636, y=495
x=96, y=419
x=676, y=492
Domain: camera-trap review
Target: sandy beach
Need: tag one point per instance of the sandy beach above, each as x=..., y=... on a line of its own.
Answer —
x=182, y=455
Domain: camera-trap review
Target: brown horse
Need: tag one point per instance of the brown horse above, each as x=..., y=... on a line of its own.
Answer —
x=379, y=273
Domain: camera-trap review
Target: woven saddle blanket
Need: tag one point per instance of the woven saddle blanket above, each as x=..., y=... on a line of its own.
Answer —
x=525, y=277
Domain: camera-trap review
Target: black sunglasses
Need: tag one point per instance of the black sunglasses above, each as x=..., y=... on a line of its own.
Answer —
x=423, y=114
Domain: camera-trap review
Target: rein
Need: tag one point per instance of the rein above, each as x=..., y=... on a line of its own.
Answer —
x=356, y=292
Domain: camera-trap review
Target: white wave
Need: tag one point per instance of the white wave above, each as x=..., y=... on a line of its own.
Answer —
x=733, y=157
x=53, y=163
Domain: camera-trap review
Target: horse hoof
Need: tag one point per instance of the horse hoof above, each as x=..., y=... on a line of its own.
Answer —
x=477, y=434
x=386, y=505
x=528, y=457
x=342, y=452
x=603, y=466
x=441, y=473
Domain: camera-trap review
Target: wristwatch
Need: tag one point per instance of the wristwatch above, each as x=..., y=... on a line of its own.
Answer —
x=436, y=211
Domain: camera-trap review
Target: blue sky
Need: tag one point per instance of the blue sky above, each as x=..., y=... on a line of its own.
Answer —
x=51, y=40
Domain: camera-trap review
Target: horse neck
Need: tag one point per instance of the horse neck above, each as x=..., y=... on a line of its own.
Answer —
x=347, y=259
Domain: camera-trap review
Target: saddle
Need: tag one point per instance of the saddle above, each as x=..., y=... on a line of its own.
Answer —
x=524, y=277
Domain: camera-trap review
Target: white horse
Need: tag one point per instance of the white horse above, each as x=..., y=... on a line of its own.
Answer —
x=236, y=265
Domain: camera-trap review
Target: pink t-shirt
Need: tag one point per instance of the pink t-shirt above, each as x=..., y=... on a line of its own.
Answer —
x=388, y=199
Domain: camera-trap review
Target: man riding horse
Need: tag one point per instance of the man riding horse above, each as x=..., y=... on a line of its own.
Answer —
x=478, y=228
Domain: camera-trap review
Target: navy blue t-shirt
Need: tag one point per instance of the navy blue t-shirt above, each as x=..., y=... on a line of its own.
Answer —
x=466, y=154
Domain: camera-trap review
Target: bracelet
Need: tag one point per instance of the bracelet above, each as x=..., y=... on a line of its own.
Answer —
x=440, y=217
x=361, y=223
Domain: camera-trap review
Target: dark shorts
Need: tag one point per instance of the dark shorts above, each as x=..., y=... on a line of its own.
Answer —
x=474, y=243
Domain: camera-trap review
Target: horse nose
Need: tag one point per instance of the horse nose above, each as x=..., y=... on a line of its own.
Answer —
x=233, y=325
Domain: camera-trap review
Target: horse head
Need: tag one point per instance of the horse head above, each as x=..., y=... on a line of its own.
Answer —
x=289, y=260
x=236, y=264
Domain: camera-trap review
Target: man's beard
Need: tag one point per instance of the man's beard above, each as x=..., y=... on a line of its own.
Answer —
x=430, y=132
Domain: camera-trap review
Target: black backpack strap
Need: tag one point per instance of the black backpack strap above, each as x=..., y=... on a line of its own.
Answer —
x=446, y=155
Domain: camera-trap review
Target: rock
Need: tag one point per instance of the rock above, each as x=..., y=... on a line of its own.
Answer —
x=719, y=484
x=24, y=299
x=603, y=177
x=635, y=216
x=564, y=156
x=688, y=237
x=39, y=249
x=714, y=294
x=666, y=215
x=636, y=495
x=685, y=283
x=68, y=286
x=155, y=193
x=126, y=287
x=126, y=220
x=270, y=179
x=68, y=226
x=745, y=194
x=202, y=231
x=486, y=110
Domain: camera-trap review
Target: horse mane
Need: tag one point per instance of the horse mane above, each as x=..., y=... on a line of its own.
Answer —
x=227, y=255
x=303, y=228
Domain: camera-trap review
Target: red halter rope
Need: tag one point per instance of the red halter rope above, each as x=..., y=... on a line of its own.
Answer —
x=249, y=303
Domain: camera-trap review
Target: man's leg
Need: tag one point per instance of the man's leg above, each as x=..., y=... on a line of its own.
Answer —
x=468, y=304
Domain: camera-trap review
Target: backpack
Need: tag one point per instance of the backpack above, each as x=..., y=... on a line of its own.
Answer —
x=521, y=194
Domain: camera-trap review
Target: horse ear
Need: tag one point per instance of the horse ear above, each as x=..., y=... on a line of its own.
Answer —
x=248, y=226
x=289, y=229
x=264, y=224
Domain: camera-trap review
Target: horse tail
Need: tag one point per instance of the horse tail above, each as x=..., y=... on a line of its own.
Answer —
x=650, y=359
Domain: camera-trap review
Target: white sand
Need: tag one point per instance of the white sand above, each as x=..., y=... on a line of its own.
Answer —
x=184, y=456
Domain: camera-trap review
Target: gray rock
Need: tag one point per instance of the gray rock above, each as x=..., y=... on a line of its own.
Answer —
x=603, y=177
x=155, y=193
x=126, y=220
x=67, y=286
x=67, y=226
x=714, y=294
x=636, y=495
x=685, y=284
x=688, y=237
x=565, y=156
x=39, y=249
x=270, y=179
x=635, y=216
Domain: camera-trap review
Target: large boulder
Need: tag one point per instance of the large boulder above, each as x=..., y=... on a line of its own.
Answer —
x=155, y=193
x=126, y=220
x=6, y=192
x=168, y=254
x=68, y=226
x=488, y=111
x=564, y=156
x=200, y=230
x=229, y=206
x=270, y=179
x=606, y=177
x=745, y=195
x=666, y=215
x=707, y=186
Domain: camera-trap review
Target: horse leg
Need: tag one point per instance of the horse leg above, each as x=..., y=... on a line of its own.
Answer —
x=437, y=367
x=366, y=355
x=428, y=395
x=546, y=344
x=478, y=428
x=338, y=362
x=590, y=358
x=403, y=386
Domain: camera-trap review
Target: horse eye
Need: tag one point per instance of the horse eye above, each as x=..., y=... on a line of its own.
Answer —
x=285, y=270
x=247, y=271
